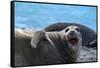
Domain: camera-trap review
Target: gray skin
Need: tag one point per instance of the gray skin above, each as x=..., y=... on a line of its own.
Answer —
x=44, y=53
x=26, y=55
x=89, y=37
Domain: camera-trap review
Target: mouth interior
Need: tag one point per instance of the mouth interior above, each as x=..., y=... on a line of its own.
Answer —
x=73, y=40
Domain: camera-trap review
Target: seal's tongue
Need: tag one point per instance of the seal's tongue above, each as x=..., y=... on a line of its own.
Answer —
x=73, y=40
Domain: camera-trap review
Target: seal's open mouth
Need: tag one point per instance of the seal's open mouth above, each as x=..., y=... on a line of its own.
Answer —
x=73, y=40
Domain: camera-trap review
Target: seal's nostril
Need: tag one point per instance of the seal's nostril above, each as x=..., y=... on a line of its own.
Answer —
x=72, y=33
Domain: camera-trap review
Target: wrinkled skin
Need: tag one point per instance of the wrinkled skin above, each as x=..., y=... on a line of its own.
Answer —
x=88, y=35
x=26, y=55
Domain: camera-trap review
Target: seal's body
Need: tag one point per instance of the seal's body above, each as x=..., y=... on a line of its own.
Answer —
x=66, y=43
x=88, y=35
x=53, y=45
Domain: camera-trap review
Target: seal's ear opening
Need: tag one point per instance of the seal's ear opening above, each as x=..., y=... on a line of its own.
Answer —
x=37, y=36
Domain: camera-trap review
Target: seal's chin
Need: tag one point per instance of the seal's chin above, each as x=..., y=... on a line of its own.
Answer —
x=73, y=41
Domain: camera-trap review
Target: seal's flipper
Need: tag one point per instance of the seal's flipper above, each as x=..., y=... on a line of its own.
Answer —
x=92, y=43
x=37, y=36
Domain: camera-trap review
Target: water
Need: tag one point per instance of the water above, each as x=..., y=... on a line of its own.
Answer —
x=39, y=16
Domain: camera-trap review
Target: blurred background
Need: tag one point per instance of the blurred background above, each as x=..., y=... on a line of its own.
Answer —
x=38, y=15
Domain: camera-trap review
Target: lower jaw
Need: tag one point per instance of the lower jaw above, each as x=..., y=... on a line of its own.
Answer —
x=73, y=44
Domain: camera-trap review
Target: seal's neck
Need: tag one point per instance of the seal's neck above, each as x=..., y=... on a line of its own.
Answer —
x=68, y=52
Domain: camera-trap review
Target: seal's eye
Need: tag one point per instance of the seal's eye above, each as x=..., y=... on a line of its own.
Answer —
x=78, y=29
x=66, y=30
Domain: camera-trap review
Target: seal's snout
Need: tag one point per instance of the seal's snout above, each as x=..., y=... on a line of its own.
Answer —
x=72, y=37
x=72, y=33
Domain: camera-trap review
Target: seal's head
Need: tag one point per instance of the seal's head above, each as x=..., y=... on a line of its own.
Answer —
x=73, y=35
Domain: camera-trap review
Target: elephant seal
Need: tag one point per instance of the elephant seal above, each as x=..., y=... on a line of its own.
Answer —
x=45, y=51
x=89, y=37
x=66, y=44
